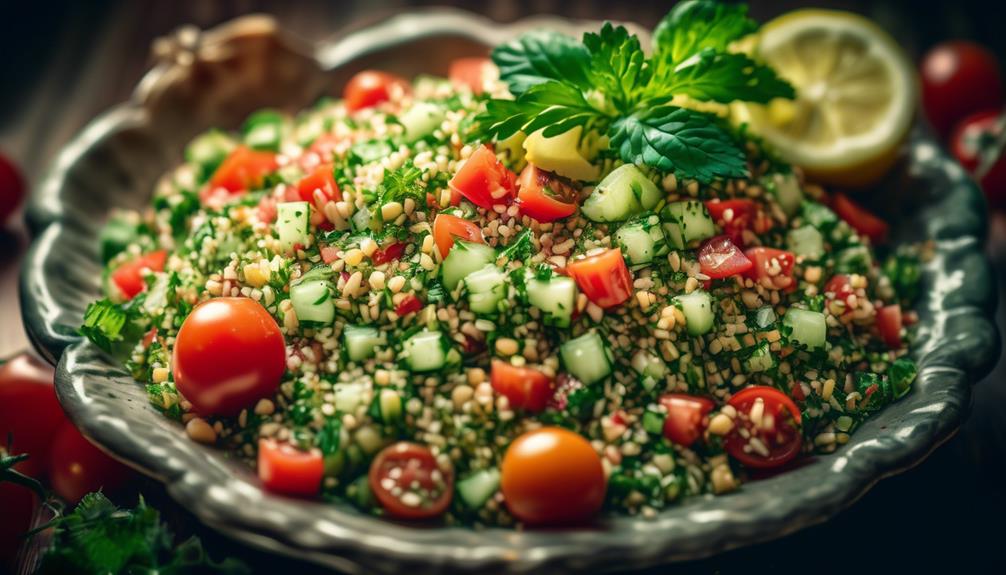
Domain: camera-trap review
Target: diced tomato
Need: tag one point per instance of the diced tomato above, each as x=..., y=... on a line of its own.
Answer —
x=889, y=325
x=484, y=180
x=720, y=258
x=447, y=228
x=543, y=197
x=388, y=253
x=603, y=278
x=735, y=216
x=244, y=169
x=772, y=418
x=771, y=268
x=149, y=337
x=128, y=277
x=472, y=73
x=840, y=288
x=796, y=392
x=859, y=218
x=526, y=388
x=329, y=254
x=285, y=469
x=408, y=305
x=685, y=416
x=324, y=147
x=267, y=209
x=371, y=87
x=410, y=469
x=321, y=179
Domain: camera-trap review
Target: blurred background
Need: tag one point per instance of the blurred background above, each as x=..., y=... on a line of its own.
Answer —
x=63, y=62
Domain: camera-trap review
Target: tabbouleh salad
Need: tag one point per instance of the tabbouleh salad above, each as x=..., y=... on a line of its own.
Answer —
x=550, y=284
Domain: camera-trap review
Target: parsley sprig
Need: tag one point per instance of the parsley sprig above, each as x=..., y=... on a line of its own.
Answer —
x=606, y=83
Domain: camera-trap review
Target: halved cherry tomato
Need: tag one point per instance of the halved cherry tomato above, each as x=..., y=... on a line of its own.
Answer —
x=11, y=189
x=77, y=467
x=229, y=353
x=603, y=278
x=472, y=73
x=543, y=197
x=772, y=421
x=484, y=180
x=526, y=388
x=128, y=277
x=959, y=78
x=859, y=218
x=840, y=288
x=720, y=258
x=685, y=415
x=29, y=412
x=320, y=179
x=371, y=87
x=552, y=476
x=771, y=268
x=447, y=227
x=388, y=253
x=410, y=304
x=409, y=483
x=243, y=169
x=285, y=469
x=889, y=325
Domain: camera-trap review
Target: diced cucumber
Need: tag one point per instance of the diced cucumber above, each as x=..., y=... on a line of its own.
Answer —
x=806, y=327
x=361, y=220
x=787, y=192
x=263, y=130
x=854, y=260
x=685, y=222
x=390, y=403
x=293, y=222
x=348, y=396
x=486, y=289
x=653, y=422
x=312, y=302
x=115, y=237
x=806, y=242
x=697, y=308
x=421, y=120
x=818, y=215
x=761, y=359
x=587, y=358
x=425, y=351
x=361, y=341
x=555, y=297
x=370, y=151
x=623, y=193
x=641, y=241
x=463, y=259
x=649, y=365
x=478, y=487
x=208, y=150
x=560, y=154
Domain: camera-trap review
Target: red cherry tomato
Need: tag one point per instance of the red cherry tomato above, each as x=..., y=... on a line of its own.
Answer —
x=409, y=483
x=388, y=253
x=472, y=73
x=859, y=218
x=371, y=87
x=735, y=216
x=771, y=268
x=77, y=467
x=128, y=277
x=11, y=189
x=408, y=305
x=720, y=258
x=975, y=142
x=447, y=228
x=526, y=388
x=285, y=469
x=889, y=325
x=543, y=197
x=603, y=278
x=29, y=412
x=243, y=169
x=552, y=476
x=773, y=424
x=18, y=505
x=484, y=180
x=959, y=79
x=229, y=353
x=685, y=416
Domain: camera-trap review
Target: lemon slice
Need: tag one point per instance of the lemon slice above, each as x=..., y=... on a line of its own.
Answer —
x=855, y=96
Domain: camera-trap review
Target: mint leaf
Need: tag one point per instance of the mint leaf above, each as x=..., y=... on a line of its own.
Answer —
x=540, y=56
x=689, y=143
x=555, y=106
x=724, y=77
x=616, y=63
x=405, y=182
x=696, y=25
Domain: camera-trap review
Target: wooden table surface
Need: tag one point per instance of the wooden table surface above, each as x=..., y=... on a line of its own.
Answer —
x=64, y=62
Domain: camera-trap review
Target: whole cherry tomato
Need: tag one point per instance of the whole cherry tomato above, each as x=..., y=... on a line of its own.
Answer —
x=77, y=467
x=959, y=79
x=11, y=189
x=29, y=412
x=977, y=144
x=371, y=87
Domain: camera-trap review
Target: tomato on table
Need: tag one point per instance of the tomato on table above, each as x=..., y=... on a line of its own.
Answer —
x=409, y=304
x=543, y=196
x=603, y=278
x=735, y=216
x=243, y=169
x=29, y=412
x=525, y=388
x=371, y=87
x=773, y=422
x=959, y=79
x=12, y=189
x=128, y=277
x=976, y=145
x=388, y=253
x=409, y=483
x=720, y=258
x=472, y=73
x=552, y=476
x=772, y=268
x=447, y=228
x=229, y=353
x=484, y=180
x=285, y=469
x=77, y=467
x=859, y=218
x=18, y=505
x=686, y=414
x=889, y=324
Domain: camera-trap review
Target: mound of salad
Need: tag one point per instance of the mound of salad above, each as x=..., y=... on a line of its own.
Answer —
x=555, y=283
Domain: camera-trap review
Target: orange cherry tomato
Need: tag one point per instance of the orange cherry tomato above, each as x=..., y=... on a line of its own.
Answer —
x=77, y=467
x=128, y=277
x=472, y=73
x=525, y=388
x=229, y=353
x=285, y=469
x=243, y=169
x=29, y=412
x=409, y=483
x=685, y=417
x=859, y=218
x=552, y=476
x=543, y=197
x=771, y=418
x=447, y=228
x=603, y=278
x=372, y=87
x=889, y=325
x=484, y=180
